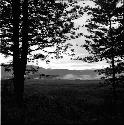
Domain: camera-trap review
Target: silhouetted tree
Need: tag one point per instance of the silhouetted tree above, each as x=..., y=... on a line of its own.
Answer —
x=106, y=38
x=31, y=23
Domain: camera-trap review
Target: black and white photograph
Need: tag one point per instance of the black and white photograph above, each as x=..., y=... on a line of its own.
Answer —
x=62, y=62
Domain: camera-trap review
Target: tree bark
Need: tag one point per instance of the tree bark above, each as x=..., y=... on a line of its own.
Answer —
x=19, y=58
x=16, y=55
x=24, y=51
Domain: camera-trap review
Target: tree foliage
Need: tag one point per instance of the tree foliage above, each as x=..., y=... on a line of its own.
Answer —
x=106, y=38
x=30, y=25
x=47, y=20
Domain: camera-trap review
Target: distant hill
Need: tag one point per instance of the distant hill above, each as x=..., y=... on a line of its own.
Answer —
x=63, y=73
x=5, y=74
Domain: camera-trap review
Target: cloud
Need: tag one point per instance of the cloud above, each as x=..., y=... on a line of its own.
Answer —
x=73, y=65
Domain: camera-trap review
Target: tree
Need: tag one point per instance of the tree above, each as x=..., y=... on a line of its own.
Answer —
x=29, y=23
x=105, y=41
x=18, y=86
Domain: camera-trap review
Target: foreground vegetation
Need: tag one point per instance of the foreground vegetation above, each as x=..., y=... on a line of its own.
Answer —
x=63, y=102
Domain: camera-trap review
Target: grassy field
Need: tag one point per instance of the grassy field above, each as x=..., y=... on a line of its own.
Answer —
x=64, y=102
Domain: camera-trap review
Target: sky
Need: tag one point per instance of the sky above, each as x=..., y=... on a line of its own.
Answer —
x=66, y=62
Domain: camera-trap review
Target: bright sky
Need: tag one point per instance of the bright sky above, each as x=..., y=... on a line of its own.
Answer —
x=65, y=62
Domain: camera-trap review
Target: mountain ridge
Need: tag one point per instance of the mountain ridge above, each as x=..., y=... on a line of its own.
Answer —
x=63, y=73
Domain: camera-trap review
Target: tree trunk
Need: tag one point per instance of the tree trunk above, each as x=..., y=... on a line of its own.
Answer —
x=16, y=55
x=113, y=78
x=24, y=51
x=25, y=28
x=112, y=62
x=114, y=95
x=19, y=59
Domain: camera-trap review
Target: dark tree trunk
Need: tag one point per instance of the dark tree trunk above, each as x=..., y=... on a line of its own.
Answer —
x=114, y=95
x=113, y=78
x=19, y=58
x=16, y=55
x=113, y=62
x=24, y=51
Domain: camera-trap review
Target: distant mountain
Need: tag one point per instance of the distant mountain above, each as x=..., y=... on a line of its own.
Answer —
x=63, y=73
x=70, y=74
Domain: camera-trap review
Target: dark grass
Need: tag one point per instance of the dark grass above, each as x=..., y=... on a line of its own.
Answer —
x=63, y=102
